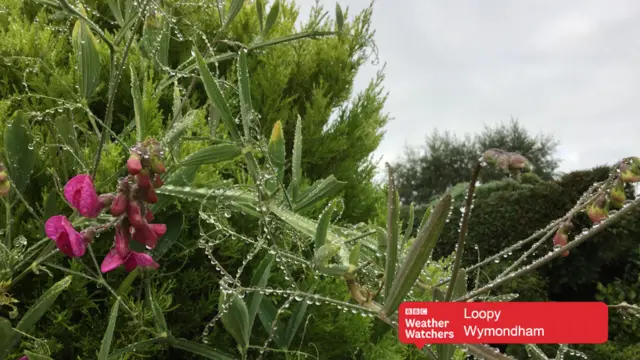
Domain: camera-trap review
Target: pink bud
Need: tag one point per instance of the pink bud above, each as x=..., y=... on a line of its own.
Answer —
x=157, y=182
x=157, y=166
x=144, y=181
x=148, y=216
x=151, y=196
x=106, y=199
x=119, y=204
x=597, y=210
x=133, y=164
x=135, y=214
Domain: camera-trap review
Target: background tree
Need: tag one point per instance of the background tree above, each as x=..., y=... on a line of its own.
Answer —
x=446, y=159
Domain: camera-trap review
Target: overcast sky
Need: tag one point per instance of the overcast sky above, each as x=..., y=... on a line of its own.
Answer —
x=570, y=68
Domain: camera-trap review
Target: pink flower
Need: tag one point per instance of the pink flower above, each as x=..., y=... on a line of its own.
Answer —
x=119, y=204
x=130, y=261
x=122, y=240
x=148, y=234
x=69, y=241
x=135, y=214
x=82, y=196
x=133, y=164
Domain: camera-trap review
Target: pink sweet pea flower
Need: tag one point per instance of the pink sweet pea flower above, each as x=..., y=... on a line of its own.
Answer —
x=148, y=234
x=122, y=240
x=24, y=358
x=69, y=241
x=131, y=261
x=81, y=194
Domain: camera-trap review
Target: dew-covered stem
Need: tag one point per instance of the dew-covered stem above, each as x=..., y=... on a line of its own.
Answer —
x=464, y=227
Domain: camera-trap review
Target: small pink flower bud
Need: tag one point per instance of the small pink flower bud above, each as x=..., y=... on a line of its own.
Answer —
x=119, y=204
x=151, y=196
x=5, y=187
x=157, y=166
x=144, y=181
x=628, y=173
x=561, y=237
x=88, y=235
x=617, y=194
x=135, y=215
x=597, y=210
x=157, y=182
x=133, y=164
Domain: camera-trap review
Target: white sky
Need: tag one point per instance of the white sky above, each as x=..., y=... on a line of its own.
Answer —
x=570, y=68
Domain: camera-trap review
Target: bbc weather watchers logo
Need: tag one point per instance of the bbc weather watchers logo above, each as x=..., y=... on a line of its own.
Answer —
x=416, y=311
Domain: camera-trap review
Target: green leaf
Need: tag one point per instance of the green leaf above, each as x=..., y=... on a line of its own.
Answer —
x=183, y=176
x=425, y=217
x=34, y=356
x=178, y=128
x=35, y=312
x=160, y=322
x=321, y=189
x=107, y=339
x=410, y=223
x=114, y=5
x=138, y=107
x=242, y=200
x=323, y=224
x=137, y=347
x=66, y=135
x=174, y=229
x=19, y=151
x=234, y=9
x=259, y=280
x=296, y=162
x=260, y=12
x=236, y=318
x=125, y=285
x=460, y=286
x=212, y=155
x=393, y=215
x=216, y=97
x=272, y=17
x=246, y=108
x=445, y=351
x=417, y=256
x=277, y=153
x=354, y=256
x=267, y=315
x=339, y=18
x=6, y=332
x=302, y=224
x=50, y=207
x=438, y=294
x=199, y=349
x=297, y=316
x=86, y=47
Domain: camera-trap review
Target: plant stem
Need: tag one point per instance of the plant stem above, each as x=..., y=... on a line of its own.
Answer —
x=463, y=231
x=30, y=268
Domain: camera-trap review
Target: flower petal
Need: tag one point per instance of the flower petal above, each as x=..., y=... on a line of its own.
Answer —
x=111, y=261
x=142, y=260
x=73, y=187
x=54, y=226
x=122, y=240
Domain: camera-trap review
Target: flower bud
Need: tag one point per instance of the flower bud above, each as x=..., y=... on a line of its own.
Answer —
x=597, y=210
x=561, y=237
x=133, y=164
x=157, y=166
x=148, y=215
x=134, y=214
x=144, y=181
x=157, y=182
x=88, y=235
x=629, y=173
x=119, y=204
x=106, y=199
x=151, y=196
x=617, y=194
x=5, y=187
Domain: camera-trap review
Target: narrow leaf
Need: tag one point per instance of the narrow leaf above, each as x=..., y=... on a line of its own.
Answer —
x=179, y=127
x=246, y=108
x=393, y=214
x=460, y=286
x=418, y=255
x=297, y=316
x=321, y=189
x=296, y=161
x=425, y=217
x=86, y=46
x=259, y=280
x=212, y=155
x=272, y=17
x=410, y=223
x=114, y=5
x=216, y=97
x=141, y=123
x=323, y=224
x=50, y=207
x=19, y=151
x=6, y=332
x=200, y=349
x=354, y=256
x=339, y=18
x=267, y=315
x=137, y=347
x=107, y=339
x=236, y=318
x=260, y=11
x=160, y=322
x=125, y=285
x=234, y=9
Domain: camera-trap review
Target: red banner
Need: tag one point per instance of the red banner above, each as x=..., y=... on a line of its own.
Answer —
x=422, y=323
